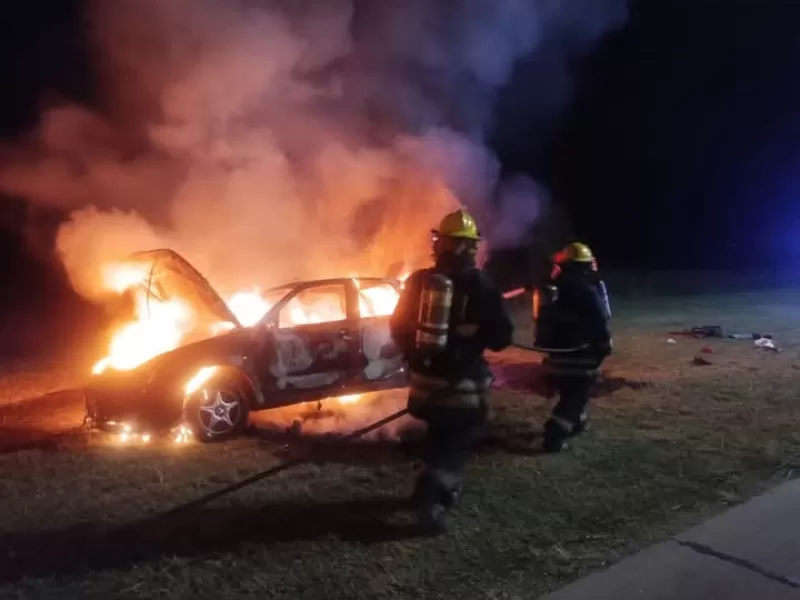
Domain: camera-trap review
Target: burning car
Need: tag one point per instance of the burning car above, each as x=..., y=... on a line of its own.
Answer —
x=195, y=361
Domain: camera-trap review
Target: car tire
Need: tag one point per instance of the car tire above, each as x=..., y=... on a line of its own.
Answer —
x=218, y=410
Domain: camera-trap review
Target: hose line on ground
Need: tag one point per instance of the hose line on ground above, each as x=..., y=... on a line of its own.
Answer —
x=280, y=467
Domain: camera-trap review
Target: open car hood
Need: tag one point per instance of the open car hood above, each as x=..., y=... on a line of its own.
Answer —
x=169, y=275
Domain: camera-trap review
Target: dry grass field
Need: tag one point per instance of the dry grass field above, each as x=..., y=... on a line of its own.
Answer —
x=671, y=443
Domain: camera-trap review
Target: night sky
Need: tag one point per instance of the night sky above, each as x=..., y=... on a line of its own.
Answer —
x=679, y=150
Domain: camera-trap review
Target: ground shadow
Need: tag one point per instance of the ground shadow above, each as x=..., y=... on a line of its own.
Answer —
x=207, y=531
x=334, y=448
x=19, y=440
x=43, y=422
x=531, y=378
x=498, y=437
x=517, y=439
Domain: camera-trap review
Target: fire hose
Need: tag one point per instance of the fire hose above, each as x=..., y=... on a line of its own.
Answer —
x=307, y=457
x=518, y=292
x=542, y=350
x=274, y=470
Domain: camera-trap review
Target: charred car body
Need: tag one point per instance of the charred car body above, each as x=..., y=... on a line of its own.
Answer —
x=212, y=382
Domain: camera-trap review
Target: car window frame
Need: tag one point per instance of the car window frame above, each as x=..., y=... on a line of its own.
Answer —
x=271, y=319
x=366, y=282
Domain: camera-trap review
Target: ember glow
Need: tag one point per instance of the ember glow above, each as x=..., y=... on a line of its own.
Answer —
x=129, y=435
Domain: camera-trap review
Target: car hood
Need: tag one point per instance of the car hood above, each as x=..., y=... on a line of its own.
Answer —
x=170, y=275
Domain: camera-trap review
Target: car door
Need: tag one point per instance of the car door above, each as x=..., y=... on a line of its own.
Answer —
x=383, y=363
x=315, y=346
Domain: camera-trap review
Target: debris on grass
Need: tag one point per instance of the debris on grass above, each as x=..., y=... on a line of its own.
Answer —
x=766, y=343
x=749, y=336
x=702, y=331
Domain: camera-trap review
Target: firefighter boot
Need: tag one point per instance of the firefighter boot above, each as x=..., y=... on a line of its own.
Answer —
x=555, y=437
x=427, y=497
x=451, y=487
x=581, y=427
x=451, y=497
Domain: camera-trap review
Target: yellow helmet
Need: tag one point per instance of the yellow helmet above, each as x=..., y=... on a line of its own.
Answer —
x=459, y=224
x=574, y=252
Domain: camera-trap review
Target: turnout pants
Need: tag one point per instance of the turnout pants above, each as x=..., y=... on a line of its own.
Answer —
x=455, y=413
x=570, y=412
x=572, y=379
x=448, y=444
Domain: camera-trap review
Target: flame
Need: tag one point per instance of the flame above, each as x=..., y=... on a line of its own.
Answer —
x=248, y=307
x=159, y=328
x=163, y=325
x=199, y=378
x=349, y=399
x=183, y=435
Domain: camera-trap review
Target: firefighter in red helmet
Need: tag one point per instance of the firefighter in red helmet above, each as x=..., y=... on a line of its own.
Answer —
x=572, y=315
x=444, y=320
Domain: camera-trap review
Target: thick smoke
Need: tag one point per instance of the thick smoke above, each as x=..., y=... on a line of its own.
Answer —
x=274, y=140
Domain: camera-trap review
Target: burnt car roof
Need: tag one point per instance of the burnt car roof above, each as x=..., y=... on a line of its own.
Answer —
x=331, y=281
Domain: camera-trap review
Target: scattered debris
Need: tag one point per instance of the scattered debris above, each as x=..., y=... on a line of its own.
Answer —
x=716, y=331
x=708, y=331
x=703, y=331
x=706, y=350
x=749, y=336
x=766, y=343
x=699, y=360
x=671, y=341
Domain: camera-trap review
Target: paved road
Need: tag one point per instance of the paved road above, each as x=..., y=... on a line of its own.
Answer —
x=749, y=552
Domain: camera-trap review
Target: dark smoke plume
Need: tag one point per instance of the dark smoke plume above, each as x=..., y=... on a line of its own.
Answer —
x=272, y=140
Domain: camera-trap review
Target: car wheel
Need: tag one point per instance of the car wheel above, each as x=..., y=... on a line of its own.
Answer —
x=217, y=411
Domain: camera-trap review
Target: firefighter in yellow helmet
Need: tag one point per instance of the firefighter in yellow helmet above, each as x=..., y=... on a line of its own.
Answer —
x=444, y=320
x=572, y=319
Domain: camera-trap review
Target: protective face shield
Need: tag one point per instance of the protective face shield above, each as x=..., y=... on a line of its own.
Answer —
x=443, y=244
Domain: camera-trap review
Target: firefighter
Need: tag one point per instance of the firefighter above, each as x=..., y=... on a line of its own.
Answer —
x=444, y=320
x=572, y=318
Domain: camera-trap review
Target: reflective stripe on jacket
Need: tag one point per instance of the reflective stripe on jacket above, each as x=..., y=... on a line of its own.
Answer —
x=439, y=392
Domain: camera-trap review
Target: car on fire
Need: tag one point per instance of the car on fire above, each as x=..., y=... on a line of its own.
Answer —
x=220, y=374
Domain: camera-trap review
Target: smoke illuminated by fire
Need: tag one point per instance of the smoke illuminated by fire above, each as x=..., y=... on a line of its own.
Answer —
x=270, y=140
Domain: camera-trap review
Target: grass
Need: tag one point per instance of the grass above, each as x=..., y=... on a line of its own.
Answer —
x=671, y=444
